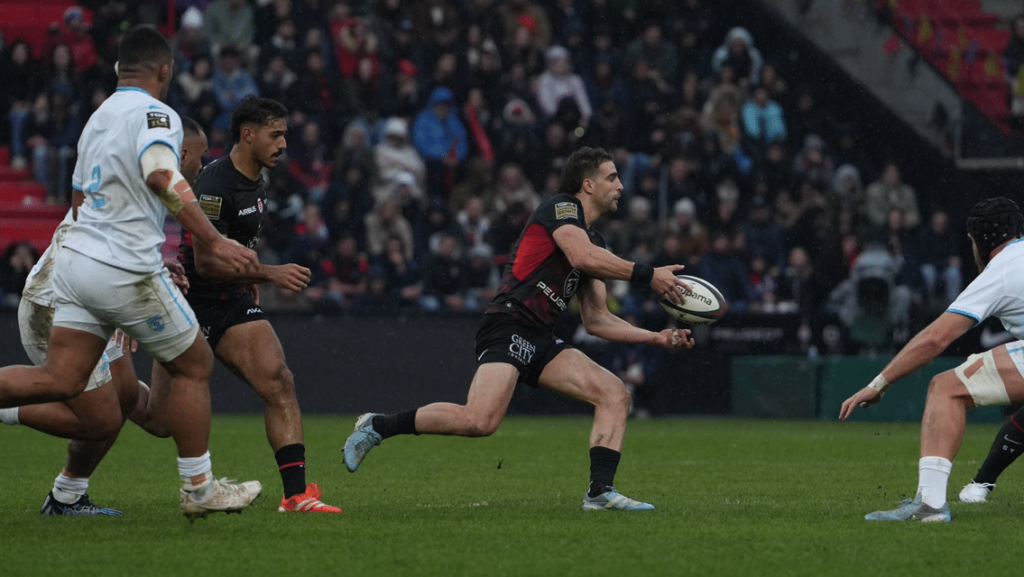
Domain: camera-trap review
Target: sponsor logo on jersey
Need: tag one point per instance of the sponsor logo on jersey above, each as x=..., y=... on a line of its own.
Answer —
x=155, y=323
x=211, y=206
x=559, y=301
x=521, y=349
x=564, y=210
x=247, y=211
x=158, y=120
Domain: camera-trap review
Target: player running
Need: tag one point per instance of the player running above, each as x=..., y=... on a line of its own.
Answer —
x=233, y=194
x=995, y=227
x=556, y=257
x=93, y=419
x=110, y=273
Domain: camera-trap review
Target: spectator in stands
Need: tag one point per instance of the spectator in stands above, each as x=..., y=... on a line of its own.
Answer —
x=764, y=284
x=1013, y=54
x=688, y=231
x=872, y=290
x=806, y=118
x=311, y=235
x=61, y=73
x=445, y=277
x=231, y=22
x=346, y=274
x=54, y=132
x=318, y=93
x=18, y=260
x=473, y=222
x=482, y=277
x=813, y=163
x=739, y=54
x=848, y=188
x=404, y=100
x=196, y=81
x=402, y=278
x=277, y=79
x=355, y=152
x=801, y=214
x=800, y=289
x=75, y=34
x=310, y=163
x=722, y=267
x=354, y=42
x=525, y=25
x=283, y=42
x=231, y=84
x=763, y=121
x=659, y=55
x=386, y=222
x=23, y=80
x=888, y=193
x=762, y=236
x=940, y=260
x=190, y=41
x=559, y=82
x=721, y=116
x=648, y=100
x=514, y=188
x=395, y=154
x=441, y=140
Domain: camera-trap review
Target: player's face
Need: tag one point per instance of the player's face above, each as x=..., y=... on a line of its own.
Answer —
x=193, y=149
x=607, y=187
x=268, y=143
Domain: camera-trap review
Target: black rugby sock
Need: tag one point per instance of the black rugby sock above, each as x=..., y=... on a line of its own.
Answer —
x=291, y=463
x=403, y=423
x=1007, y=446
x=603, y=464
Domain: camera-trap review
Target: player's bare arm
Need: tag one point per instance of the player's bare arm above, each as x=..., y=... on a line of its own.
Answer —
x=921, y=350
x=159, y=165
x=601, y=263
x=287, y=276
x=600, y=322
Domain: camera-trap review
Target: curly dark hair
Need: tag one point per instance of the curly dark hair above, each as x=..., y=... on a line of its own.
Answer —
x=256, y=110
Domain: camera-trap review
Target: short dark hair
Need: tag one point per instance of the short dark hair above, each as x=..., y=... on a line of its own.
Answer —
x=581, y=165
x=255, y=110
x=143, y=47
x=190, y=127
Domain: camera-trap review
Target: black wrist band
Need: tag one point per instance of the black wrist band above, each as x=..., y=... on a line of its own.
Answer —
x=642, y=273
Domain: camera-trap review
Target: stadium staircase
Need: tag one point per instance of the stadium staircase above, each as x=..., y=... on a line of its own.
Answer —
x=24, y=212
x=936, y=64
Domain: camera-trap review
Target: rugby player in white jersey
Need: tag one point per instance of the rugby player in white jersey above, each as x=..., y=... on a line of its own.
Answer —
x=110, y=273
x=93, y=419
x=995, y=227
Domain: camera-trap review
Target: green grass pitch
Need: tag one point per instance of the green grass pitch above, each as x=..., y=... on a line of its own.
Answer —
x=733, y=497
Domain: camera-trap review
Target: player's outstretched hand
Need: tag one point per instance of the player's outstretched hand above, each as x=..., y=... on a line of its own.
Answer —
x=674, y=339
x=177, y=274
x=234, y=254
x=863, y=398
x=291, y=276
x=667, y=285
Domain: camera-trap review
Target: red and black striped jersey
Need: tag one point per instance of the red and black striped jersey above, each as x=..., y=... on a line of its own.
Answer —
x=237, y=208
x=539, y=282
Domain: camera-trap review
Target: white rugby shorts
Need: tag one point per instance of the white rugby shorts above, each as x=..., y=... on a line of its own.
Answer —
x=34, y=321
x=95, y=297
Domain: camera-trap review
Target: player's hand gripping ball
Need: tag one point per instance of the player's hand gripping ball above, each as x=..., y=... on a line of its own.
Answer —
x=703, y=304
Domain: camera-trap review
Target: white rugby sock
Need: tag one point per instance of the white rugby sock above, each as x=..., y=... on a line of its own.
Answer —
x=194, y=466
x=9, y=416
x=67, y=490
x=933, y=476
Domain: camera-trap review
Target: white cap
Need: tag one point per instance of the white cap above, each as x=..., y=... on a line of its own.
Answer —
x=192, y=18
x=397, y=127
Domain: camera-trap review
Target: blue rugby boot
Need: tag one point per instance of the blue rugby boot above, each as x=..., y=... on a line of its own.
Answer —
x=361, y=441
x=83, y=506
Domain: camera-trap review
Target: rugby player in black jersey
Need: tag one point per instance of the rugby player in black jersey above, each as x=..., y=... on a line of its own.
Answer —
x=233, y=195
x=557, y=256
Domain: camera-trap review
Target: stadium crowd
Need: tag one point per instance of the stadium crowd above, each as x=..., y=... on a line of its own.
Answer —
x=422, y=135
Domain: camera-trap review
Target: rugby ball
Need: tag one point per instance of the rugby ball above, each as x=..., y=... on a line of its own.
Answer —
x=703, y=304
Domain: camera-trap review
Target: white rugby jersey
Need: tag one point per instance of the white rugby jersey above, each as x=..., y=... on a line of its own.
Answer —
x=38, y=289
x=998, y=291
x=121, y=222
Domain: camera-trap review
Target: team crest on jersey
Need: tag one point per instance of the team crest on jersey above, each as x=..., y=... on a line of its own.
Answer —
x=211, y=206
x=572, y=284
x=564, y=210
x=155, y=323
x=158, y=120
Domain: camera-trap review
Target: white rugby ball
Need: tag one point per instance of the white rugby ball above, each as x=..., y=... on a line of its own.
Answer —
x=703, y=304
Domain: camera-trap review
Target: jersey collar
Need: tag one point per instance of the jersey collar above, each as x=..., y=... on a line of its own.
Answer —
x=133, y=89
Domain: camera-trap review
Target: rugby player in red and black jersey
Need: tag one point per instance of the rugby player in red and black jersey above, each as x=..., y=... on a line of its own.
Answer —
x=557, y=257
x=232, y=194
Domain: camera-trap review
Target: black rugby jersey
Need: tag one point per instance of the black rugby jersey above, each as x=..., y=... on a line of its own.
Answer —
x=237, y=207
x=539, y=282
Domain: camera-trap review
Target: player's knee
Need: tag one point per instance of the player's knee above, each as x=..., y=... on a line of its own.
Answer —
x=99, y=426
x=62, y=382
x=613, y=394
x=482, y=425
x=280, y=384
x=947, y=386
